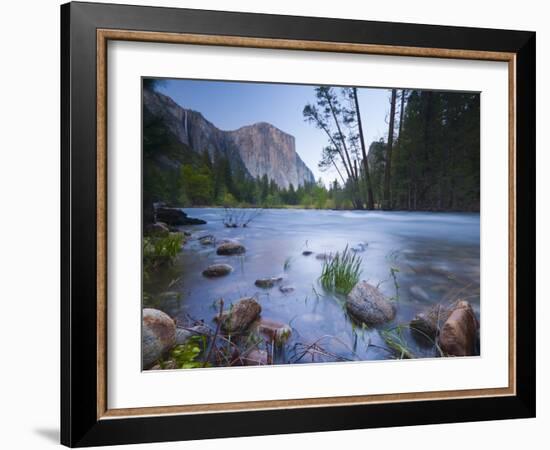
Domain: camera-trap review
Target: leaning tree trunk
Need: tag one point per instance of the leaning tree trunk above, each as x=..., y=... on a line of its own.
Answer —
x=387, y=172
x=370, y=196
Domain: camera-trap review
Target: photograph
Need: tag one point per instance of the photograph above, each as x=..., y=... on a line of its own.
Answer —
x=300, y=224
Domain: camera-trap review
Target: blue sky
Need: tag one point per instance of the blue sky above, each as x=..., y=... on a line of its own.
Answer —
x=231, y=105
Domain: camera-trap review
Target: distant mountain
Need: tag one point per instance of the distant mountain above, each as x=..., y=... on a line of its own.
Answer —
x=261, y=149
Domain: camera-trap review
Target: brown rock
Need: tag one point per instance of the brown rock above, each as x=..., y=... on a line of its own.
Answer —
x=217, y=270
x=240, y=316
x=368, y=305
x=458, y=335
x=231, y=248
x=158, y=335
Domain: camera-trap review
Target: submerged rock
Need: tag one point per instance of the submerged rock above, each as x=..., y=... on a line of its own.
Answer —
x=175, y=216
x=459, y=333
x=158, y=335
x=217, y=270
x=307, y=252
x=231, y=248
x=367, y=304
x=276, y=331
x=267, y=283
x=286, y=289
x=323, y=256
x=429, y=322
x=361, y=247
x=418, y=293
x=255, y=358
x=240, y=316
x=207, y=240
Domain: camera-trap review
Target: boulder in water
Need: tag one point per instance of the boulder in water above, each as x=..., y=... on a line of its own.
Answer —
x=367, y=304
x=240, y=316
x=217, y=270
x=158, y=335
x=230, y=248
x=307, y=252
x=459, y=333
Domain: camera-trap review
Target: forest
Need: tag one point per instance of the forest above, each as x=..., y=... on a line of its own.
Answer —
x=427, y=161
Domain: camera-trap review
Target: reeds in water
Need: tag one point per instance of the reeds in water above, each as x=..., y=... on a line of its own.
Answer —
x=341, y=272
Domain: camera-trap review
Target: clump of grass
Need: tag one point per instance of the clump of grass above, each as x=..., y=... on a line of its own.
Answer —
x=161, y=250
x=395, y=340
x=342, y=272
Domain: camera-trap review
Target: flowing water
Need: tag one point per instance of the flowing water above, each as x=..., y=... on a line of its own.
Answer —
x=436, y=256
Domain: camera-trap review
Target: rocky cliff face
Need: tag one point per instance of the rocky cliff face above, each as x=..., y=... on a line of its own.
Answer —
x=259, y=149
x=265, y=149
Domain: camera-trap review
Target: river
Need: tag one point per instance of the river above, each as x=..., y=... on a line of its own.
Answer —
x=434, y=256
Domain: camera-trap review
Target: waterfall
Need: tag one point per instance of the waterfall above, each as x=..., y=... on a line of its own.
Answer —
x=185, y=125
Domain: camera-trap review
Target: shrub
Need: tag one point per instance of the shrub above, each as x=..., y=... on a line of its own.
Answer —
x=161, y=250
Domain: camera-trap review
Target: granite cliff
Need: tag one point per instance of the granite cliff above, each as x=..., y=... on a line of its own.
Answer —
x=259, y=149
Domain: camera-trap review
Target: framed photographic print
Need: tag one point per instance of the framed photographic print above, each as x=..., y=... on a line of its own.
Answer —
x=276, y=224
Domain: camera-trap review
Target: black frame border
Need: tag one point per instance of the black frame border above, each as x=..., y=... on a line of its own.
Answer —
x=79, y=423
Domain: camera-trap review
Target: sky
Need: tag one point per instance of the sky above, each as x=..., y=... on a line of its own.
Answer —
x=231, y=105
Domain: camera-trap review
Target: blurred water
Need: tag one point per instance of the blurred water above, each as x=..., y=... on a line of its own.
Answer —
x=436, y=255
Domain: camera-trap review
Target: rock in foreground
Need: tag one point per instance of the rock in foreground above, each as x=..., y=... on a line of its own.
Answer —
x=367, y=304
x=158, y=335
x=230, y=248
x=458, y=335
x=240, y=316
x=217, y=270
